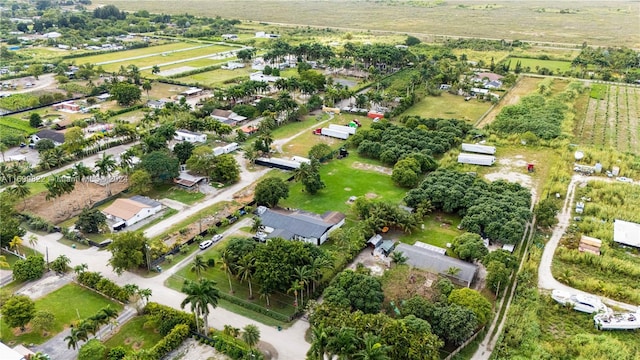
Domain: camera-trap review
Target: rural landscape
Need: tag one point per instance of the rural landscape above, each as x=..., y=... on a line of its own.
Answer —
x=284, y=179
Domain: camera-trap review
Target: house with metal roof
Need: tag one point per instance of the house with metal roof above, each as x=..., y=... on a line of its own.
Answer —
x=300, y=225
x=55, y=136
x=460, y=272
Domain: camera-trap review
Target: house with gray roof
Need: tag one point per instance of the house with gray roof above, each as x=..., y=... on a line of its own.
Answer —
x=299, y=225
x=432, y=261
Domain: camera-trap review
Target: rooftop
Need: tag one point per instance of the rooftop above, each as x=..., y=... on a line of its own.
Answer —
x=125, y=208
x=626, y=233
x=299, y=223
x=433, y=261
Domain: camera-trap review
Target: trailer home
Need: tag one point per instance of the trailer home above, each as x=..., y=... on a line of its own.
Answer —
x=480, y=149
x=476, y=159
x=335, y=133
x=347, y=129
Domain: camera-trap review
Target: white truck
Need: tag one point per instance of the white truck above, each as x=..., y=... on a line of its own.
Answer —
x=335, y=133
x=346, y=129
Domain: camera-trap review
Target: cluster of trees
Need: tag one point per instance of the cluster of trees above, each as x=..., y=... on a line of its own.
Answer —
x=280, y=49
x=355, y=291
x=498, y=210
x=388, y=142
x=483, y=44
x=616, y=59
x=309, y=175
x=223, y=168
x=90, y=326
x=376, y=215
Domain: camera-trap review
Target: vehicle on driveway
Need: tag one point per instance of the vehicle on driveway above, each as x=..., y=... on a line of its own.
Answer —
x=205, y=244
x=216, y=237
x=624, y=179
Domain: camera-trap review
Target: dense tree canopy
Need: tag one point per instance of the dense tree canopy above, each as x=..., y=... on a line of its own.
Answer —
x=160, y=165
x=473, y=301
x=127, y=251
x=17, y=311
x=469, y=247
x=270, y=190
x=355, y=291
x=125, y=94
x=91, y=220
x=498, y=210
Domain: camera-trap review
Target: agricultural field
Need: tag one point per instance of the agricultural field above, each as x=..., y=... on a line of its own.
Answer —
x=217, y=78
x=127, y=54
x=533, y=65
x=484, y=56
x=616, y=20
x=608, y=118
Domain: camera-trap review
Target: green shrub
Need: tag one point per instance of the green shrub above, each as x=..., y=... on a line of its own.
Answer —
x=254, y=307
x=30, y=269
x=167, y=318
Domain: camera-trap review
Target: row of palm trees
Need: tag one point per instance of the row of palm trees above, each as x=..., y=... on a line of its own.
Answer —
x=345, y=344
x=90, y=326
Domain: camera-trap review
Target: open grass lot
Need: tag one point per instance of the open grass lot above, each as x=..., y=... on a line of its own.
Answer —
x=556, y=53
x=65, y=303
x=121, y=55
x=161, y=90
x=134, y=335
x=485, y=56
x=437, y=229
x=174, y=193
x=297, y=126
x=449, y=106
x=533, y=64
x=217, y=78
x=610, y=121
x=160, y=59
x=616, y=21
x=345, y=178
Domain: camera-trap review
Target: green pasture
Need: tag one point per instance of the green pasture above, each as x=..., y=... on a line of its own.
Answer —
x=449, y=106
x=120, y=55
x=216, y=78
x=534, y=64
x=437, y=229
x=167, y=57
x=69, y=304
x=345, y=178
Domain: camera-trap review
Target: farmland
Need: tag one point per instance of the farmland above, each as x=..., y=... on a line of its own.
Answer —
x=217, y=78
x=607, y=117
x=534, y=64
x=121, y=55
x=616, y=20
x=448, y=106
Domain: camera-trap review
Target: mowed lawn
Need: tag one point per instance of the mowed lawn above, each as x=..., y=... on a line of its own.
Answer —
x=66, y=303
x=437, y=229
x=534, y=64
x=168, y=57
x=135, y=334
x=217, y=77
x=448, y=106
x=118, y=55
x=345, y=178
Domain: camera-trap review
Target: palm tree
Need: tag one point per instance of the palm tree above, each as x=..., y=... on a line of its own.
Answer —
x=145, y=294
x=106, y=314
x=319, y=264
x=73, y=339
x=257, y=224
x=155, y=69
x=38, y=356
x=104, y=167
x=79, y=269
x=295, y=287
x=320, y=340
x=146, y=86
x=251, y=335
x=373, y=349
x=199, y=265
x=304, y=274
x=265, y=293
x=398, y=258
x=20, y=190
x=82, y=172
x=201, y=295
x=226, y=265
x=15, y=243
x=33, y=241
x=344, y=343
x=244, y=270
x=3, y=262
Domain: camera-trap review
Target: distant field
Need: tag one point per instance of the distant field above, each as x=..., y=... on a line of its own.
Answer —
x=609, y=118
x=553, y=65
x=485, y=56
x=449, y=106
x=168, y=57
x=135, y=52
x=217, y=78
x=608, y=23
x=524, y=86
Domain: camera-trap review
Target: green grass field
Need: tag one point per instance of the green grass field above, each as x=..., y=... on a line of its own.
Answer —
x=66, y=303
x=449, y=106
x=534, y=64
x=167, y=57
x=171, y=192
x=216, y=78
x=437, y=229
x=134, y=334
x=112, y=56
x=345, y=178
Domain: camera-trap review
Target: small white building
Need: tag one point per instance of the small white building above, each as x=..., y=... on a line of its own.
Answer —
x=232, y=65
x=126, y=212
x=626, y=233
x=7, y=353
x=189, y=136
x=156, y=104
x=480, y=149
x=259, y=76
x=476, y=159
x=229, y=37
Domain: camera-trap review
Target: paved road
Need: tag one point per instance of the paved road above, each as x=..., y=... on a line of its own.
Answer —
x=545, y=277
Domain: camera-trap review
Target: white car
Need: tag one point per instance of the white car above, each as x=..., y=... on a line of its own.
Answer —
x=624, y=179
x=216, y=237
x=205, y=244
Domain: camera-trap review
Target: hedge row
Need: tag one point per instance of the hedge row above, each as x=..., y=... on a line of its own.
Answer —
x=230, y=347
x=170, y=342
x=167, y=318
x=194, y=71
x=257, y=308
x=96, y=281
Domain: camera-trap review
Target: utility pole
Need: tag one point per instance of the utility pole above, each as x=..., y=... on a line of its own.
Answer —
x=146, y=247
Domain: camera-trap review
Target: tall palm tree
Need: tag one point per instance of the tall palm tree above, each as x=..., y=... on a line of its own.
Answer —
x=73, y=339
x=82, y=172
x=199, y=265
x=295, y=287
x=146, y=86
x=226, y=265
x=201, y=295
x=104, y=167
x=265, y=293
x=33, y=241
x=145, y=294
x=319, y=264
x=244, y=270
x=79, y=269
x=20, y=190
x=303, y=275
x=251, y=335
x=373, y=349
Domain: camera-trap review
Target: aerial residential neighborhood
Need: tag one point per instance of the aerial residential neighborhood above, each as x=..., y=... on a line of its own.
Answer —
x=400, y=180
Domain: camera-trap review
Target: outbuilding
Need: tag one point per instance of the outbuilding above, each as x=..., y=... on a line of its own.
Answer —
x=476, y=159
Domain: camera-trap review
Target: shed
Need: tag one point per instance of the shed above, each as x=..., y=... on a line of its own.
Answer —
x=590, y=244
x=480, y=149
x=387, y=247
x=441, y=264
x=375, y=241
x=192, y=91
x=476, y=159
x=189, y=136
x=626, y=233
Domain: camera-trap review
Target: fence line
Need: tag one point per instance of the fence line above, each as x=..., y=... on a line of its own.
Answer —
x=464, y=344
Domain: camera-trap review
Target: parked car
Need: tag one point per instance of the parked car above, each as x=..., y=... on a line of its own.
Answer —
x=624, y=179
x=216, y=237
x=205, y=244
x=233, y=219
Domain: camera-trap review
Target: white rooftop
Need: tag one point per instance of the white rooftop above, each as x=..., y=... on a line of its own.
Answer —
x=626, y=233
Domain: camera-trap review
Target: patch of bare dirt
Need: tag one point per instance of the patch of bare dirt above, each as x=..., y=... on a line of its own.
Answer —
x=369, y=167
x=371, y=195
x=69, y=205
x=513, y=169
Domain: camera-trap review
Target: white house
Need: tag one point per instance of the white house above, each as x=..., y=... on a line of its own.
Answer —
x=300, y=225
x=55, y=136
x=229, y=37
x=126, y=212
x=232, y=65
x=259, y=76
x=156, y=104
x=189, y=136
x=7, y=353
x=227, y=117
